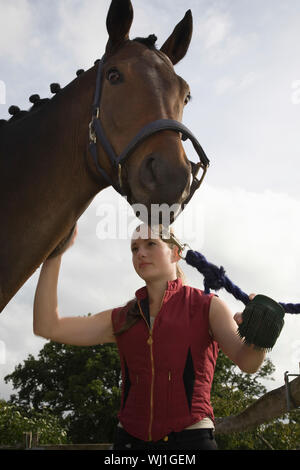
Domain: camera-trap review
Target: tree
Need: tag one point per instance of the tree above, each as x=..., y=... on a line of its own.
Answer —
x=15, y=422
x=246, y=412
x=81, y=385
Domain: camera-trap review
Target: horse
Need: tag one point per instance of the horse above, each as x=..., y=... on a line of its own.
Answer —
x=53, y=161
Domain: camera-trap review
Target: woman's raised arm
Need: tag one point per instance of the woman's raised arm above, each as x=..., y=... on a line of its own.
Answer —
x=78, y=331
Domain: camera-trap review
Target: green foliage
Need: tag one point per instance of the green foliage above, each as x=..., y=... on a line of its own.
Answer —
x=79, y=388
x=279, y=434
x=14, y=422
x=283, y=434
x=79, y=384
x=232, y=392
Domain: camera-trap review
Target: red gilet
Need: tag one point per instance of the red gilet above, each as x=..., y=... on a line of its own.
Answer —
x=167, y=372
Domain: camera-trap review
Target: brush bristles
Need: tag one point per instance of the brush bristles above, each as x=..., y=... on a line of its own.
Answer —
x=261, y=326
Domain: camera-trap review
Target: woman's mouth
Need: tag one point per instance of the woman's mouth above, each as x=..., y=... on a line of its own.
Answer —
x=142, y=265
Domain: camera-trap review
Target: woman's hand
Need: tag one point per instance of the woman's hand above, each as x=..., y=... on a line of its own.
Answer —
x=73, y=238
x=238, y=317
x=64, y=245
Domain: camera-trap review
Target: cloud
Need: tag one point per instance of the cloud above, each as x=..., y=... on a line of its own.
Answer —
x=229, y=84
x=16, y=26
x=215, y=28
x=224, y=84
x=82, y=32
x=219, y=39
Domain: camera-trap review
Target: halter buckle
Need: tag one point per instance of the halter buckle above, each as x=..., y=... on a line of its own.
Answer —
x=92, y=133
x=174, y=241
x=197, y=182
x=120, y=175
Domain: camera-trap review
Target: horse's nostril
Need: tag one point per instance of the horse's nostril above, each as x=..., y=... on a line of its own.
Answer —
x=148, y=171
x=158, y=175
x=151, y=164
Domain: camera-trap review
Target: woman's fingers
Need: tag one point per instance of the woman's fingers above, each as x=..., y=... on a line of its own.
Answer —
x=74, y=235
x=238, y=317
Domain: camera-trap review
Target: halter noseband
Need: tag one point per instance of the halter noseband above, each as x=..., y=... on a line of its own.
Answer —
x=96, y=132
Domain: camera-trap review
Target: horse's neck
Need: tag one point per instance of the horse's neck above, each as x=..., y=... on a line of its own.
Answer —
x=44, y=183
x=51, y=137
x=44, y=157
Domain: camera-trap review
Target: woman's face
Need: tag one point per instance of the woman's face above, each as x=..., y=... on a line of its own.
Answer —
x=152, y=258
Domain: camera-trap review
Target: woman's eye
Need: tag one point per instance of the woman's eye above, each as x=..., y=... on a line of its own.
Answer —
x=113, y=76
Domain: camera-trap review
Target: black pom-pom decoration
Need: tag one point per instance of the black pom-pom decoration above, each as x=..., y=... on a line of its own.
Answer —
x=55, y=87
x=13, y=110
x=34, y=98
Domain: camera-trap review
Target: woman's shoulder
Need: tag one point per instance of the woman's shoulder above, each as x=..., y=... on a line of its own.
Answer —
x=121, y=309
x=119, y=313
x=195, y=291
x=197, y=298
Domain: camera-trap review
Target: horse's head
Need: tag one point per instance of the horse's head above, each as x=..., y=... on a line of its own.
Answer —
x=138, y=86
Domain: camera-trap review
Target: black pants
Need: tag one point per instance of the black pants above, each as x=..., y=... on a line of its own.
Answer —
x=188, y=439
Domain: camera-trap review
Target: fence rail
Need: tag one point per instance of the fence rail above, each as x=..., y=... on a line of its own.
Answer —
x=31, y=442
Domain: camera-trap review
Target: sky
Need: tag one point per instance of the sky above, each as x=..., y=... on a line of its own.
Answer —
x=243, y=68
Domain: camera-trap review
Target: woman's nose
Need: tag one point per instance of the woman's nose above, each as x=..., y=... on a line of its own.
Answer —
x=141, y=254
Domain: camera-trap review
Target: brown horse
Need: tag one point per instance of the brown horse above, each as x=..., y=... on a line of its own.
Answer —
x=47, y=175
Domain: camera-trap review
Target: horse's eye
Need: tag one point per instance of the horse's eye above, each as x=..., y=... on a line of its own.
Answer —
x=188, y=98
x=113, y=76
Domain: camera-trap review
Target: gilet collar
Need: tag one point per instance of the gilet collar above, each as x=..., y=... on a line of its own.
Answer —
x=172, y=287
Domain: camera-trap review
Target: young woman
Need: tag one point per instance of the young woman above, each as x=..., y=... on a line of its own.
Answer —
x=168, y=338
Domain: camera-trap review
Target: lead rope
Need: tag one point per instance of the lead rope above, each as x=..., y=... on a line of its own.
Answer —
x=215, y=279
x=263, y=318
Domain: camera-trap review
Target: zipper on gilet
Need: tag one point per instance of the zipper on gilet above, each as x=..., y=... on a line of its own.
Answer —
x=150, y=343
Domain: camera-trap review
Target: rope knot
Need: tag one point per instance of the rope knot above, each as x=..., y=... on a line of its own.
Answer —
x=214, y=278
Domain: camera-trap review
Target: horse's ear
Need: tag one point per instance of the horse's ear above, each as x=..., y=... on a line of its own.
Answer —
x=177, y=44
x=118, y=22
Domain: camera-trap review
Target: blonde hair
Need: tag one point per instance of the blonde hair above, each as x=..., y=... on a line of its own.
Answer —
x=179, y=272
